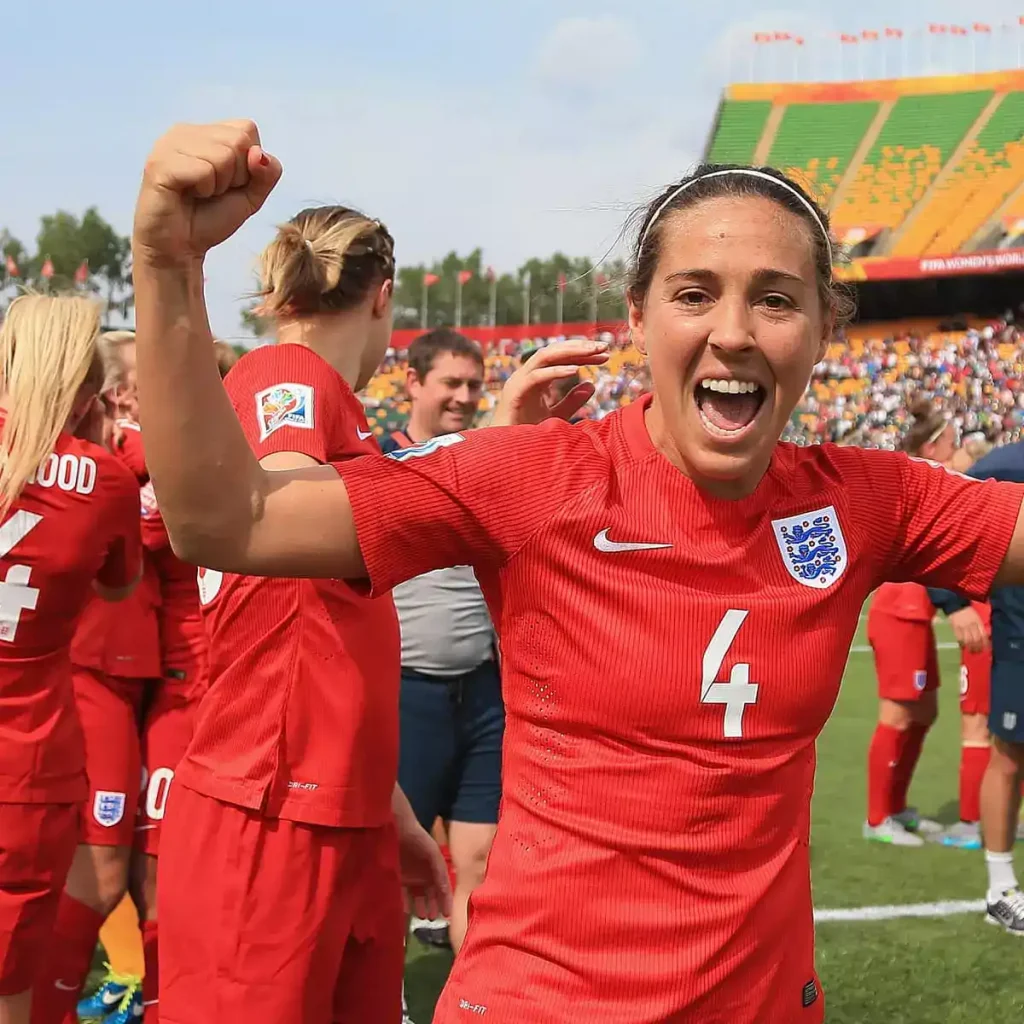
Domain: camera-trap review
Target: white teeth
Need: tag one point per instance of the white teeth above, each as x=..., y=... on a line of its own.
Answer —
x=730, y=387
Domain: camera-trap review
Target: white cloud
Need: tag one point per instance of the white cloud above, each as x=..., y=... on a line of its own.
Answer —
x=586, y=55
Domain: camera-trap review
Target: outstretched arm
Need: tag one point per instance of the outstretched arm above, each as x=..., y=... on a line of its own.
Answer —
x=222, y=510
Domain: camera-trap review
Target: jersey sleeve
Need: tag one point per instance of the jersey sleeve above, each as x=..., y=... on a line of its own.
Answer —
x=952, y=531
x=123, y=561
x=131, y=451
x=465, y=499
x=154, y=532
x=287, y=400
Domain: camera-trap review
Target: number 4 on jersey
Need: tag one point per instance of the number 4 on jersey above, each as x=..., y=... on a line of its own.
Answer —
x=15, y=594
x=739, y=691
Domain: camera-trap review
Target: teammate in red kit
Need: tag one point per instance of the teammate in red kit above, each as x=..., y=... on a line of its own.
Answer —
x=907, y=666
x=675, y=591
x=70, y=514
x=115, y=654
x=282, y=817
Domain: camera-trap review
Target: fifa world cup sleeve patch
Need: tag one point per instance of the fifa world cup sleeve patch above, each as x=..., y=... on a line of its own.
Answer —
x=284, y=405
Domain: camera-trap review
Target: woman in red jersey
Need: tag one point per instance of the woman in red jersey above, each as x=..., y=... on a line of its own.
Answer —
x=140, y=672
x=675, y=591
x=282, y=819
x=907, y=666
x=115, y=656
x=69, y=521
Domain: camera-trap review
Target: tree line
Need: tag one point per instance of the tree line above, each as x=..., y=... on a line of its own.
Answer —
x=71, y=253
x=87, y=254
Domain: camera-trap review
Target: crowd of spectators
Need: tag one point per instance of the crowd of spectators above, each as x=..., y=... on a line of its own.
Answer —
x=859, y=394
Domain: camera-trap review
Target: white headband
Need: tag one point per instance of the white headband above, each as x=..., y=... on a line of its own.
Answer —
x=750, y=173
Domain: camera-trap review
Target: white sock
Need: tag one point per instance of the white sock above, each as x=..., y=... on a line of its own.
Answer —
x=1001, y=875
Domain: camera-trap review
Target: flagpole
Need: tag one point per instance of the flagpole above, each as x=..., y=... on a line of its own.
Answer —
x=526, y=298
x=593, y=295
x=494, y=299
x=423, y=307
x=458, y=300
x=559, y=303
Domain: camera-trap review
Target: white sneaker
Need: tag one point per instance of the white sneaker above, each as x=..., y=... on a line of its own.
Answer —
x=891, y=831
x=1007, y=911
x=964, y=835
x=913, y=822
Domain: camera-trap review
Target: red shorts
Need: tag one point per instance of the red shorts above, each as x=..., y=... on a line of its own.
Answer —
x=975, y=682
x=136, y=732
x=168, y=721
x=37, y=844
x=109, y=710
x=263, y=919
x=906, y=661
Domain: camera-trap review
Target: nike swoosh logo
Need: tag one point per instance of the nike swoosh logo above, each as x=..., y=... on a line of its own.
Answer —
x=144, y=828
x=65, y=987
x=363, y=434
x=602, y=543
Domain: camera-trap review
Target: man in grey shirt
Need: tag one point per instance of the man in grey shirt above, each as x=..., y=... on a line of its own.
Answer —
x=452, y=716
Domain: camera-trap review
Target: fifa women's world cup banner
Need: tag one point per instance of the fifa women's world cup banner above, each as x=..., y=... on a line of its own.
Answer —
x=902, y=268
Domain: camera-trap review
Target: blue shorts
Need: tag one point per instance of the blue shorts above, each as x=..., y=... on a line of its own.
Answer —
x=1006, y=708
x=449, y=763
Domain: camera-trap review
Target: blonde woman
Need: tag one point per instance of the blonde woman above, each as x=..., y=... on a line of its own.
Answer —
x=69, y=517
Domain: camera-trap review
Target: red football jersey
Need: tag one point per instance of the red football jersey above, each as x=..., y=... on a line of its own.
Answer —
x=669, y=660
x=77, y=520
x=301, y=718
x=121, y=638
x=907, y=601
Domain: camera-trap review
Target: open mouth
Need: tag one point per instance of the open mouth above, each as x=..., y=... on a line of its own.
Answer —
x=728, y=407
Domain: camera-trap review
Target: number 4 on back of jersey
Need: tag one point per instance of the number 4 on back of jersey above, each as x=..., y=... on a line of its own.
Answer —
x=739, y=691
x=15, y=594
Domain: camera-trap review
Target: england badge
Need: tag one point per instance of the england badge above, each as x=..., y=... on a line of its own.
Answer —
x=108, y=807
x=812, y=546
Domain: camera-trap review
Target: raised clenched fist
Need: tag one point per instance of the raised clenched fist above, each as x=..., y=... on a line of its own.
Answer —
x=201, y=183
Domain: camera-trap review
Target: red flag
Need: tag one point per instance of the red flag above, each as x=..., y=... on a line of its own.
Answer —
x=844, y=38
x=980, y=26
x=799, y=40
x=1020, y=19
x=82, y=273
x=12, y=267
x=430, y=279
x=938, y=30
x=490, y=274
x=781, y=37
x=869, y=35
x=47, y=270
x=602, y=280
x=464, y=276
x=762, y=37
x=894, y=33
x=561, y=282
x=957, y=30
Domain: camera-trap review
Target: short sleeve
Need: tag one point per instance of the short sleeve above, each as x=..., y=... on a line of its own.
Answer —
x=465, y=499
x=287, y=399
x=131, y=450
x=952, y=532
x=123, y=561
x=154, y=532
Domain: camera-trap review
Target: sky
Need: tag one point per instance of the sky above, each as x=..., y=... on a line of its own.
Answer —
x=520, y=126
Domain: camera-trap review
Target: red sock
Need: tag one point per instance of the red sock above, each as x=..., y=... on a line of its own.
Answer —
x=883, y=757
x=67, y=962
x=909, y=755
x=973, y=762
x=151, y=979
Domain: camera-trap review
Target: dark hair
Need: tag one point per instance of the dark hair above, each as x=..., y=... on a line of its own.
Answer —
x=647, y=249
x=324, y=260
x=427, y=347
x=928, y=422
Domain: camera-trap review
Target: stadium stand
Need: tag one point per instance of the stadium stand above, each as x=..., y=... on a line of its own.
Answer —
x=908, y=167
x=816, y=142
x=738, y=129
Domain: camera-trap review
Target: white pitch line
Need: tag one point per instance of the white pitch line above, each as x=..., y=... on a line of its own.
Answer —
x=945, y=908
x=866, y=649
